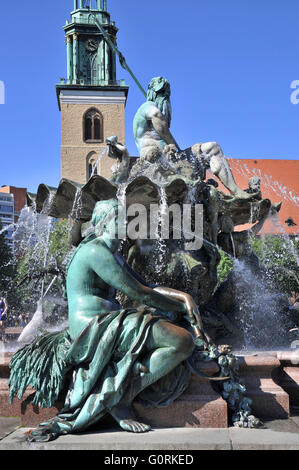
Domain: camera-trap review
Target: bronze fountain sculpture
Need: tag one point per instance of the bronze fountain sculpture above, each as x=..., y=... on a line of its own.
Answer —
x=118, y=347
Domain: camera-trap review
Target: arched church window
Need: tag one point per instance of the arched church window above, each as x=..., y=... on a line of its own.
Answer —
x=88, y=129
x=92, y=165
x=97, y=128
x=93, y=126
x=92, y=170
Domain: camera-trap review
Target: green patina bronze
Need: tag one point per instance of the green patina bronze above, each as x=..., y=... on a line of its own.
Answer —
x=143, y=347
x=90, y=59
x=116, y=355
x=152, y=121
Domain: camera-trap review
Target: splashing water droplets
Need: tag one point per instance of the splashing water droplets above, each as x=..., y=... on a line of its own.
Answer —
x=95, y=169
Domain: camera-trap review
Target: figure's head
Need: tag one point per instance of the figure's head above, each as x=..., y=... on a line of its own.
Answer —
x=105, y=222
x=159, y=92
x=255, y=183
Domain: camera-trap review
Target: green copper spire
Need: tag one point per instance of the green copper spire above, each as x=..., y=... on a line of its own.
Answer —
x=100, y=5
x=90, y=59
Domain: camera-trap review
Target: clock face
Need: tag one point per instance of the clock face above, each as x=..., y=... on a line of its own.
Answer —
x=91, y=45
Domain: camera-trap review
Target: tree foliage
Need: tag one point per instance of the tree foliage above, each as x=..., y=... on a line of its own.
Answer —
x=279, y=255
x=60, y=243
x=6, y=263
x=225, y=266
x=40, y=263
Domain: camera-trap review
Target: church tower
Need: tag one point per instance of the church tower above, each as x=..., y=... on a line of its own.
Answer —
x=91, y=100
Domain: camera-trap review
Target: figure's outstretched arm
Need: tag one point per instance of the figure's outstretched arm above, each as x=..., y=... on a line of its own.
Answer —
x=192, y=309
x=106, y=266
x=220, y=167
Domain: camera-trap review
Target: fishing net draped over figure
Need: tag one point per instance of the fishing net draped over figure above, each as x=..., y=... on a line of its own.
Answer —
x=116, y=356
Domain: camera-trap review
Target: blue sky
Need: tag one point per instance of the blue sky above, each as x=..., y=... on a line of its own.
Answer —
x=230, y=64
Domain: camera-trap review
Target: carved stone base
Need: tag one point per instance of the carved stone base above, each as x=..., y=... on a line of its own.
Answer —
x=257, y=372
x=288, y=375
x=199, y=407
x=31, y=415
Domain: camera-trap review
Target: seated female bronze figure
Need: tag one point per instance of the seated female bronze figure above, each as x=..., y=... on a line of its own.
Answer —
x=115, y=355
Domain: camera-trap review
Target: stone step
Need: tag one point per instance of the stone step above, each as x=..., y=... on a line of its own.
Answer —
x=13, y=331
x=200, y=406
x=258, y=371
x=203, y=409
x=4, y=366
x=30, y=414
x=288, y=375
x=189, y=411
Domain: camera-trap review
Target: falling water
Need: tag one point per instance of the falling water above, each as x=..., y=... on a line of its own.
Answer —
x=7, y=228
x=122, y=206
x=160, y=245
x=46, y=254
x=77, y=205
x=50, y=285
x=233, y=245
x=121, y=194
x=95, y=168
x=32, y=242
x=24, y=234
x=261, y=314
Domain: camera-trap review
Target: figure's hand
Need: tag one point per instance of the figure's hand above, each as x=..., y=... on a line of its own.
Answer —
x=190, y=309
x=194, y=317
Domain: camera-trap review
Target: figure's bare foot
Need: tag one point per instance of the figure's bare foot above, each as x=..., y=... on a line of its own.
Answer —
x=125, y=417
x=130, y=425
x=43, y=434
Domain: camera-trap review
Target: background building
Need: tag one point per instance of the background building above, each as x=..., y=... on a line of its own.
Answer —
x=91, y=100
x=12, y=201
x=7, y=216
x=19, y=195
